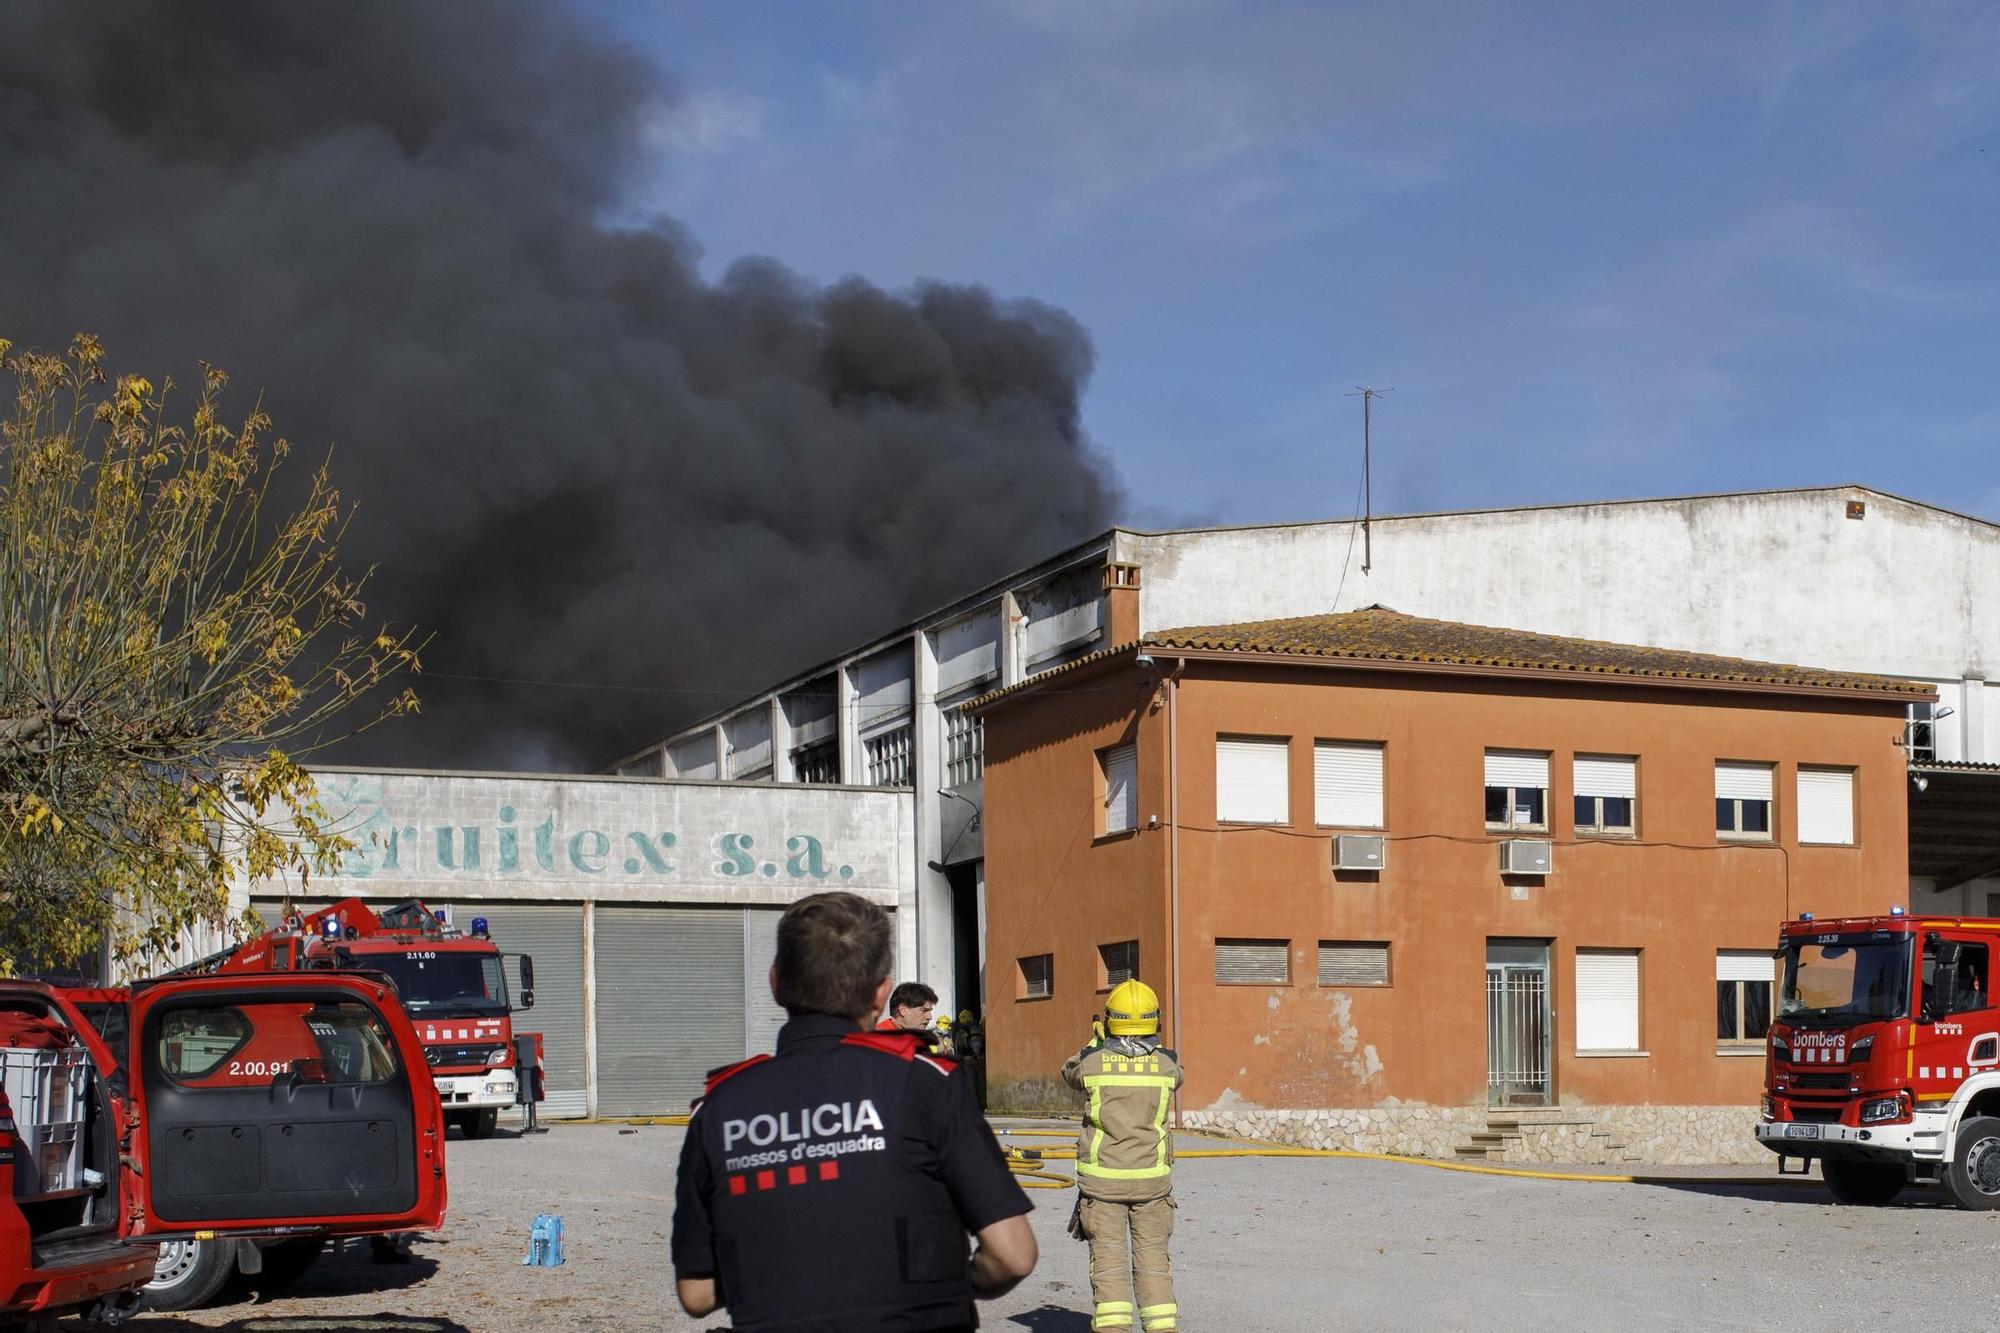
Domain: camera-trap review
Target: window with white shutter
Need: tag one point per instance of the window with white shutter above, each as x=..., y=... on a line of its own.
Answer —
x=1252, y=780
x=1607, y=999
x=1118, y=770
x=1607, y=794
x=1517, y=789
x=1353, y=963
x=1743, y=800
x=1744, y=982
x=1347, y=784
x=1826, y=805
x=1253, y=962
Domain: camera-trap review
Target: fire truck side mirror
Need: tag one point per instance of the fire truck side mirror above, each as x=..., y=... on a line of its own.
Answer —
x=527, y=1000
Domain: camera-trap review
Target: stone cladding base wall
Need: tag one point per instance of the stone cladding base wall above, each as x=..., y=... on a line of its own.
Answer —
x=1660, y=1135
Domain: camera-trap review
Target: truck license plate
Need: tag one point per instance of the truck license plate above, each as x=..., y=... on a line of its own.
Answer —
x=1801, y=1131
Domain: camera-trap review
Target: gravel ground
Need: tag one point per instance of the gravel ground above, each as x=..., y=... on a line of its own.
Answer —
x=1262, y=1244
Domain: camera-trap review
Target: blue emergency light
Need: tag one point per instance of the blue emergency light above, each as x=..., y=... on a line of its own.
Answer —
x=330, y=927
x=479, y=928
x=1805, y=916
x=1895, y=910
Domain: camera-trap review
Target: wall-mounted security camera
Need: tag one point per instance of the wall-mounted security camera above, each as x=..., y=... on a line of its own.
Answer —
x=1143, y=660
x=1921, y=782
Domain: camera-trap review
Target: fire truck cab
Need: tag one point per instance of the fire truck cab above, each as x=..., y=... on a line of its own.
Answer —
x=210, y=1111
x=452, y=984
x=1884, y=1056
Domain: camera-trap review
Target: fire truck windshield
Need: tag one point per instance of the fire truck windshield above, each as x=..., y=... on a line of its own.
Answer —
x=433, y=979
x=1844, y=981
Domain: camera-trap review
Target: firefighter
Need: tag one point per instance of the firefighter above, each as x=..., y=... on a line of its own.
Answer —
x=1124, y=1163
x=833, y=1185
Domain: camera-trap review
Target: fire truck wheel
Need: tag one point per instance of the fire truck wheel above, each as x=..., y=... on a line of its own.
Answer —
x=1869, y=1184
x=479, y=1124
x=1975, y=1164
x=188, y=1274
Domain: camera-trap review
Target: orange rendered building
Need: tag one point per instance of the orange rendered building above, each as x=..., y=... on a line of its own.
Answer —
x=1416, y=886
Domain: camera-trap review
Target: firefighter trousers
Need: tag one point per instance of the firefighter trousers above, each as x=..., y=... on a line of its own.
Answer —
x=1128, y=1247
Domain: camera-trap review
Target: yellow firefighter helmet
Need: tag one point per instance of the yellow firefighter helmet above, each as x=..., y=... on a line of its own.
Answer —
x=1132, y=1010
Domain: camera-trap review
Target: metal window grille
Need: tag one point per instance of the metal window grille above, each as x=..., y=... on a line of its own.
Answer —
x=1517, y=1036
x=888, y=758
x=1038, y=976
x=1347, y=963
x=964, y=747
x=1257, y=962
x=816, y=763
x=1121, y=961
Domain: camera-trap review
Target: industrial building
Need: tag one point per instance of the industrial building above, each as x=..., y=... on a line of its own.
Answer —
x=649, y=907
x=1847, y=577
x=1415, y=886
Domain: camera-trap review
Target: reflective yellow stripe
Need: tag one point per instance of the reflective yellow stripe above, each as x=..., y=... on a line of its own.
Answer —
x=1112, y=1314
x=1094, y=1116
x=1129, y=1081
x=1154, y=1311
x=1120, y=1173
x=1114, y=1307
x=1160, y=1125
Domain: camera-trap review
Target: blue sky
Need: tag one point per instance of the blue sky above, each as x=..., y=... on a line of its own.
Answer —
x=1596, y=250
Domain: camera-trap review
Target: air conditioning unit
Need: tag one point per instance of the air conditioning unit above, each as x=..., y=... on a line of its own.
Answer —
x=1525, y=856
x=1360, y=851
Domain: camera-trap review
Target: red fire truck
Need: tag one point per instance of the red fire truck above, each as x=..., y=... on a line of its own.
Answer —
x=1884, y=1056
x=263, y=1112
x=453, y=986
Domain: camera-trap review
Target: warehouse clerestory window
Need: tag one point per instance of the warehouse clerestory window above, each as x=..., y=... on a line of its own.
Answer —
x=888, y=757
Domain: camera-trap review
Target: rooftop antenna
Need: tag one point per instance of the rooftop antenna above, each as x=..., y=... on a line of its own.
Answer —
x=1367, y=394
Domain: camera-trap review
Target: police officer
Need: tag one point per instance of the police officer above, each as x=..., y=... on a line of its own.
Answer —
x=1125, y=1162
x=832, y=1186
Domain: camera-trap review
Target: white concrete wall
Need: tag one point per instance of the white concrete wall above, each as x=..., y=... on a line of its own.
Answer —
x=615, y=840
x=1904, y=591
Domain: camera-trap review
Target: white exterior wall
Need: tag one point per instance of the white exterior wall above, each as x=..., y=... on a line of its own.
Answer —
x=1905, y=591
x=592, y=839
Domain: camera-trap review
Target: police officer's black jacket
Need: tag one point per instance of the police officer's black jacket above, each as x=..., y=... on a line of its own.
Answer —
x=832, y=1187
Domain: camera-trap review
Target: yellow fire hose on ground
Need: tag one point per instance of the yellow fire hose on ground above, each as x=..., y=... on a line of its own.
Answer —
x=1025, y=1163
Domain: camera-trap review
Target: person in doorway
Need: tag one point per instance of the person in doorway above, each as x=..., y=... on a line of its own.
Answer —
x=833, y=1186
x=1125, y=1162
x=910, y=1007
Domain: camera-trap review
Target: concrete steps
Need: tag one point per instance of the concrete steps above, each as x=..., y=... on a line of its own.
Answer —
x=1524, y=1135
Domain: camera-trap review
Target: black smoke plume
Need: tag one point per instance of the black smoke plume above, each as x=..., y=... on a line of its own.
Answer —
x=575, y=460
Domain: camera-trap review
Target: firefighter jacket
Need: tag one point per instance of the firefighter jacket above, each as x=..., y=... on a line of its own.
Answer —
x=831, y=1187
x=1125, y=1152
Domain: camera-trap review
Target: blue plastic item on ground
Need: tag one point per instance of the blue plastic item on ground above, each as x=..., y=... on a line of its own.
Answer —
x=545, y=1241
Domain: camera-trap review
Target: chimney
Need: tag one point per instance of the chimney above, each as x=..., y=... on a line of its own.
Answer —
x=1121, y=604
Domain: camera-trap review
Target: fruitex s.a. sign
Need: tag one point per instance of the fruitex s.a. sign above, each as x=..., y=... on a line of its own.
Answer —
x=463, y=829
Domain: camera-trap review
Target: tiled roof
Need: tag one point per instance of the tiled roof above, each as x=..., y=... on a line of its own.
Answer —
x=1377, y=634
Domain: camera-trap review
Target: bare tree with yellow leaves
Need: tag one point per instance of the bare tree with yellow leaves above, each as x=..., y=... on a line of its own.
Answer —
x=169, y=651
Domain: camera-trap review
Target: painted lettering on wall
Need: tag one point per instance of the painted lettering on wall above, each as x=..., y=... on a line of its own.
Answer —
x=514, y=842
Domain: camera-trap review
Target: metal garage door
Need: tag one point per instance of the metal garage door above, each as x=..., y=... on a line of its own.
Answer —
x=551, y=934
x=761, y=1015
x=669, y=1004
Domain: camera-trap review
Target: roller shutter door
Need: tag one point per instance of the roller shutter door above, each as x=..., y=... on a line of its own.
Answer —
x=761, y=1015
x=551, y=934
x=669, y=1004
